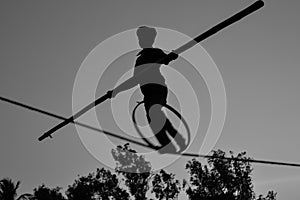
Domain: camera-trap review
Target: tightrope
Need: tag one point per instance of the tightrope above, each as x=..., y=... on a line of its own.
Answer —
x=28, y=107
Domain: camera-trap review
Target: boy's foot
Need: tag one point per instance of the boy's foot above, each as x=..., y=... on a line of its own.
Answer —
x=167, y=149
x=181, y=143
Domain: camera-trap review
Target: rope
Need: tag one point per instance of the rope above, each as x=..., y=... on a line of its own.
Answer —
x=142, y=144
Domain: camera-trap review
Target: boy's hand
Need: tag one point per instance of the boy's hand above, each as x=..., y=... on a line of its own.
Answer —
x=111, y=94
x=173, y=56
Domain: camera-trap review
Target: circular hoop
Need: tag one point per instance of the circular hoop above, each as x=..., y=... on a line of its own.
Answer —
x=173, y=111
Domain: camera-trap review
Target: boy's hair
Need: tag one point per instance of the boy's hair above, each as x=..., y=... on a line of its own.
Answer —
x=145, y=32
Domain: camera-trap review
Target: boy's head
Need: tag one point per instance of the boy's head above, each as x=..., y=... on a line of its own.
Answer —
x=146, y=36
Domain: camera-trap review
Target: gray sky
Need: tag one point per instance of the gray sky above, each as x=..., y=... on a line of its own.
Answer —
x=43, y=44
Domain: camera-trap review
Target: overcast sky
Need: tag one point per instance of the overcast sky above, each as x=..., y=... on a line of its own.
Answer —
x=43, y=44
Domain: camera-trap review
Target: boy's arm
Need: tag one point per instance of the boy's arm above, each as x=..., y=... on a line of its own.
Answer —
x=133, y=81
x=169, y=57
x=126, y=85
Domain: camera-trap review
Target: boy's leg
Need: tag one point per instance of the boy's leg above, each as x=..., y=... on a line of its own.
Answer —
x=157, y=119
x=175, y=134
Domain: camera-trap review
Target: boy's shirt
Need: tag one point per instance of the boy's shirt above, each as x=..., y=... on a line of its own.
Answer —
x=147, y=58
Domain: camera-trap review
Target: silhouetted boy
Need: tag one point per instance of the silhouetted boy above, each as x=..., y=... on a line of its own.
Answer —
x=152, y=84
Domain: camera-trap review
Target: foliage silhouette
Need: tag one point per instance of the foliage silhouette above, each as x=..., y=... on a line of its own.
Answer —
x=134, y=169
x=45, y=193
x=8, y=190
x=100, y=185
x=165, y=186
x=134, y=179
x=139, y=177
x=222, y=179
x=270, y=196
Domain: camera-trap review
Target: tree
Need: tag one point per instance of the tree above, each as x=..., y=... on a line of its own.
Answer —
x=138, y=175
x=8, y=190
x=45, y=193
x=135, y=170
x=165, y=186
x=134, y=178
x=270, y=196
x=222, y=178
x=100, y=185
